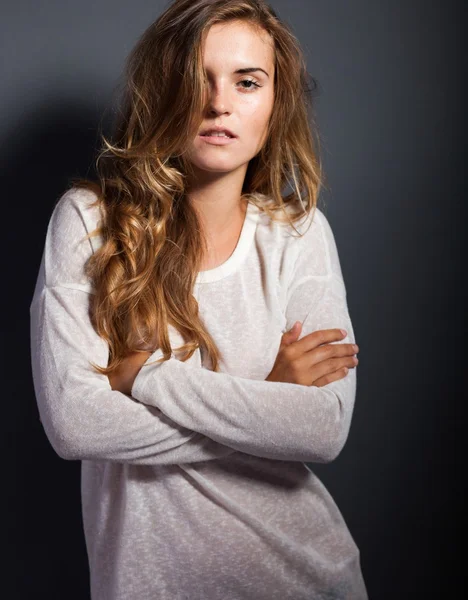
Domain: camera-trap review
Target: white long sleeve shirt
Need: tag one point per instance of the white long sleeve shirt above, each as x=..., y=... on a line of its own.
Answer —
x=195, y=487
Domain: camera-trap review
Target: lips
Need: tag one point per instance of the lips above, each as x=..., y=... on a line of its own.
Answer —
x=217, y=130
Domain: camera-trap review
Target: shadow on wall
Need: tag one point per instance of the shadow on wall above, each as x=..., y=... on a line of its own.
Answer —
x=44, y=529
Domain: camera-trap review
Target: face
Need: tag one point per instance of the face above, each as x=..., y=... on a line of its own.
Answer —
x=241, y=102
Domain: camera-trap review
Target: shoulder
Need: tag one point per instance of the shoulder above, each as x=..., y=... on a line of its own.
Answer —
x=317, y=234
x=310, y=224
x=313, y=251
x=75, y=212
x=67, y=245
x=305, y=248
x=310, y=238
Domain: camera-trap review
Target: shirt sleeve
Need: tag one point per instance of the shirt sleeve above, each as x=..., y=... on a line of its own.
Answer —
x=83, y=418
x=275, y=420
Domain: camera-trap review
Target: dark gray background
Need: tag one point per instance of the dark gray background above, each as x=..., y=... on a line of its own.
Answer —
x=389, y=112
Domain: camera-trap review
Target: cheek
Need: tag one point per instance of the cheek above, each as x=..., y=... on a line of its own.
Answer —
x=255, y=115
x=255, y=123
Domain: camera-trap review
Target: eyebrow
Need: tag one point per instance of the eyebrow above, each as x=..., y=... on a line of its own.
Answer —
x=251, y=70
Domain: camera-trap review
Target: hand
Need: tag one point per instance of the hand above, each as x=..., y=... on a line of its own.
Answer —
x=313, y=360
x=124, y=375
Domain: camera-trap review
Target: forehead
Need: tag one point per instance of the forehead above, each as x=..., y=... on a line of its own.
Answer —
x=237, y=42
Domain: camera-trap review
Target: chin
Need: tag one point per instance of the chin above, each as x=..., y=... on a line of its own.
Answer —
x=217, y=166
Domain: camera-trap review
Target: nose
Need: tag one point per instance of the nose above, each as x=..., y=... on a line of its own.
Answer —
x=219, y=102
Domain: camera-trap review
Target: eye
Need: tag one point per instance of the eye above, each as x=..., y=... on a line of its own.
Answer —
x=253, y=82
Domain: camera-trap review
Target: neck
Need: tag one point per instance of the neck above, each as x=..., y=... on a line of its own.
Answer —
x=217, y=199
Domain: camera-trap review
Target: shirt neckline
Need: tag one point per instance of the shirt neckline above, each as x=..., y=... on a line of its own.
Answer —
x=240, y=251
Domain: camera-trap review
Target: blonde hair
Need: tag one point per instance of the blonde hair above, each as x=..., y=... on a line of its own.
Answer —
x=152, y=249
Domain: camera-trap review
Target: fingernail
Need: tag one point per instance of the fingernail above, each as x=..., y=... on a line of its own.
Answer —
x=343, y=332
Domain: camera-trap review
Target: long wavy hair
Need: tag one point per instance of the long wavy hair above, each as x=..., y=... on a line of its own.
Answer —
x=152, y=242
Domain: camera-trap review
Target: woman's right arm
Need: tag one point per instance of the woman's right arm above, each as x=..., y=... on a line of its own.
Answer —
x=83, y=418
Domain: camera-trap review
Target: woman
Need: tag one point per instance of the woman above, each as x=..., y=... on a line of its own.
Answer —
x=186, y=344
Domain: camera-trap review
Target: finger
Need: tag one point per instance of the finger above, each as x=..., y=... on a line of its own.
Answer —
x=330, y=377
x=290, y=336
x=327, y=351
x=331, y=365
x=318, y=338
